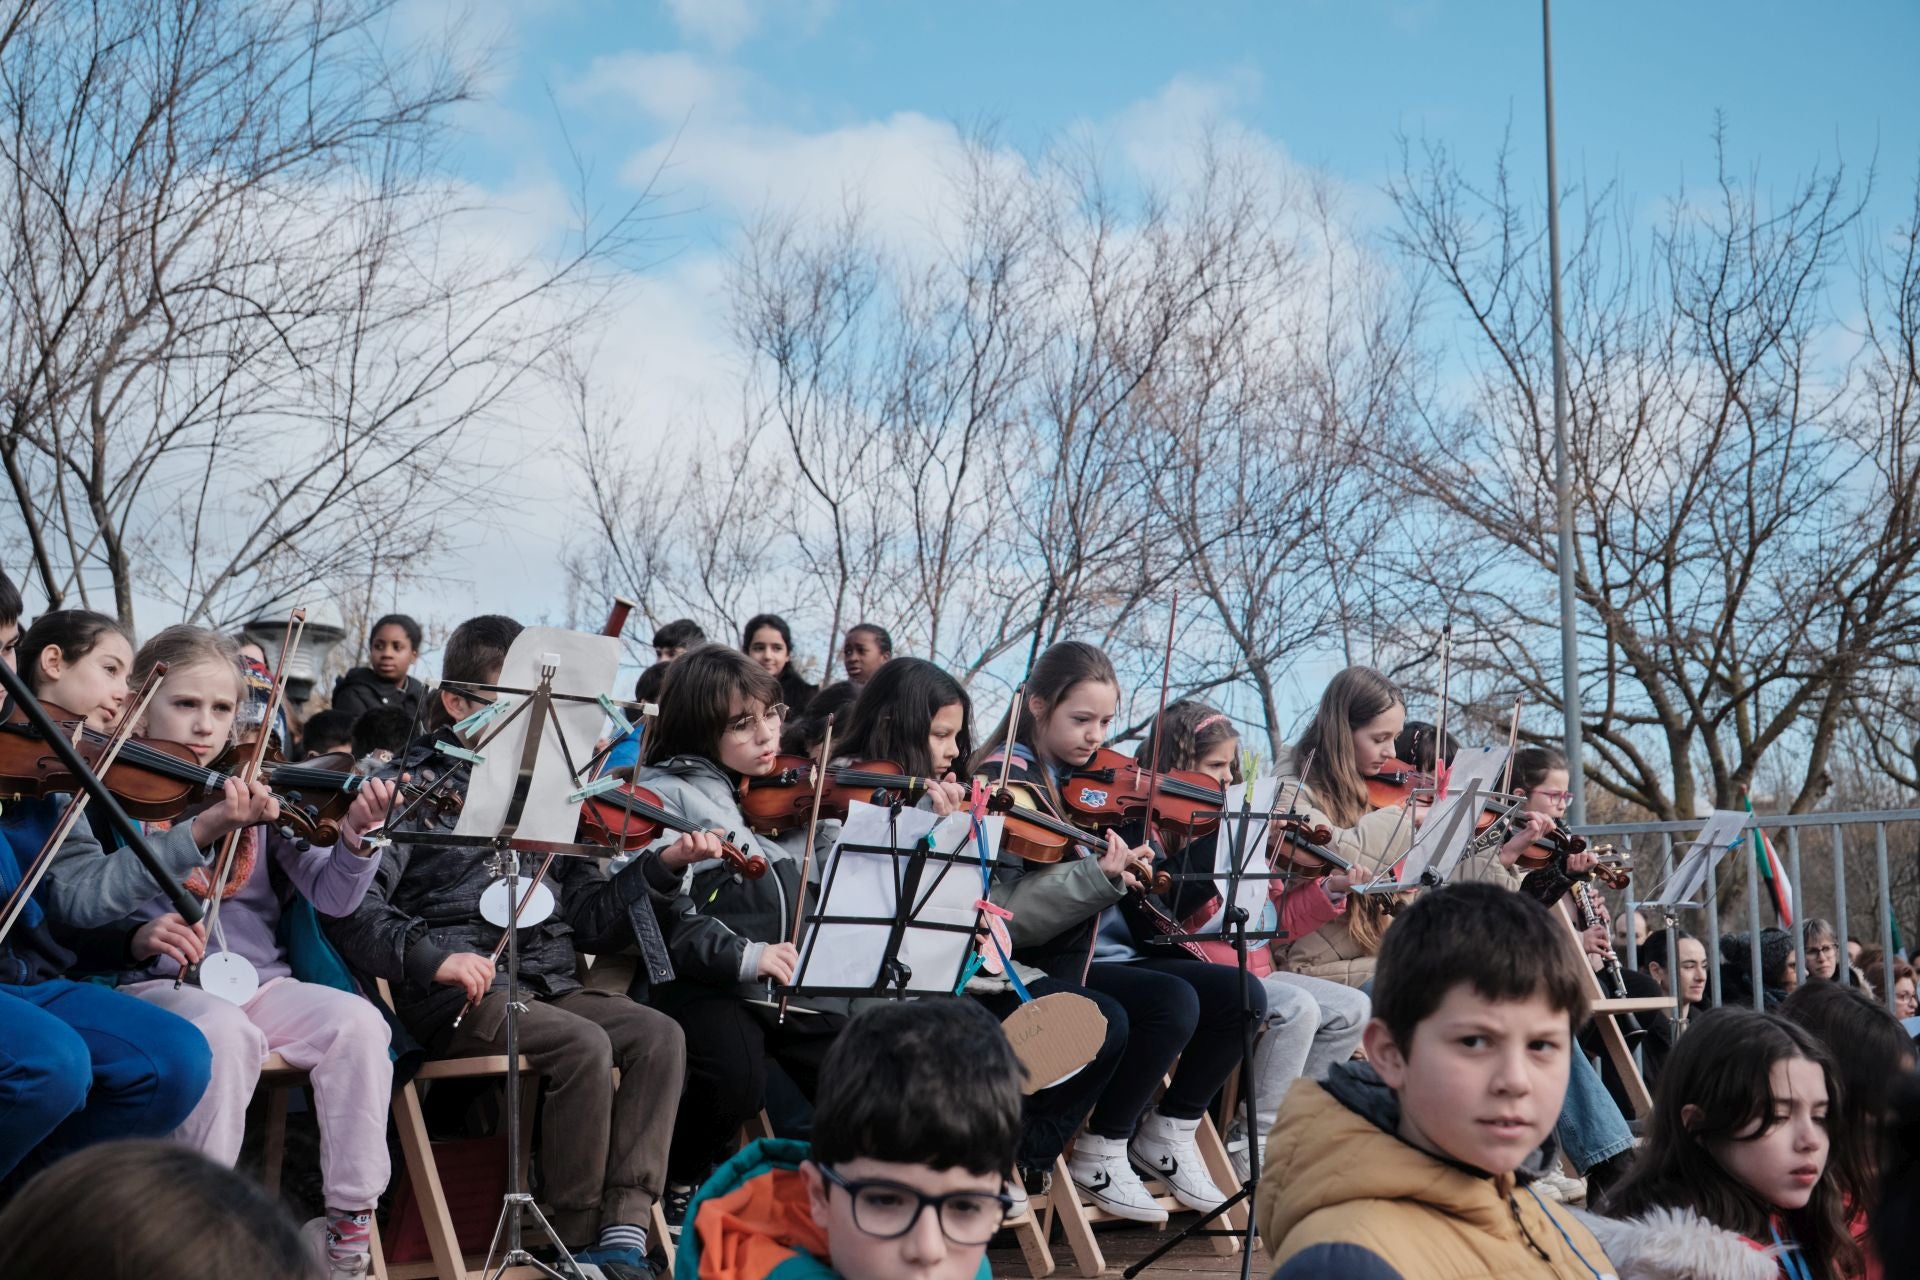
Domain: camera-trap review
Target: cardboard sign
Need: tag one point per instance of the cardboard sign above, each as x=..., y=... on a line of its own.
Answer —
x=1055, y=1037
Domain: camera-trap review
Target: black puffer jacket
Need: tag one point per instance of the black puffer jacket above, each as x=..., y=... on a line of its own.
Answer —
x=361, y=690
x=728, y=920
x=424, y=906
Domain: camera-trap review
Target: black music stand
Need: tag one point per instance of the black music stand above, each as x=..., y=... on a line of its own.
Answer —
x=919, y=869
x=1235, y=919
x=505, y=848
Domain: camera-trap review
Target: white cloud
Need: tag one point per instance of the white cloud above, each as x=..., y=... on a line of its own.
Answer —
x=725, y=24
x=668, y=87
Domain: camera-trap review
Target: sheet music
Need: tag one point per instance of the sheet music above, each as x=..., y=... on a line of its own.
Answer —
x=867, y=885
x=587, y=667
x=1252, y=894
x=1724, y=829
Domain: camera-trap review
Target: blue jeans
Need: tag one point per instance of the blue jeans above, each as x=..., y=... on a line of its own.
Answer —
x=81, y=1063
x=1590, y=1128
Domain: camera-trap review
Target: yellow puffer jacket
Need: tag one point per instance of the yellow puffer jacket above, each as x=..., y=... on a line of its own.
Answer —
x=1336, y=1175
x=1375, y=842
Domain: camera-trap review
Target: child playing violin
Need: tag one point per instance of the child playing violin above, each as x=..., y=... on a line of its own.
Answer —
x=79, y=1063
x=1311, y=1023
x=914, y=715
x=1350, y=739
x=1064, y=923
x=602, y=1149
x=337, y=1037
x=719, y=724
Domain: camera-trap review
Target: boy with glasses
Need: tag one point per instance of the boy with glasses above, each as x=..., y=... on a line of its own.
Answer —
x=914, y=1130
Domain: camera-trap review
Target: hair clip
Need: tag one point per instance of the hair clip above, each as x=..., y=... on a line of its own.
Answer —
x=459, y=753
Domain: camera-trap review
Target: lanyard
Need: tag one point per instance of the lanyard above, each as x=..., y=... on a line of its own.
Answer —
x=1791, y=1262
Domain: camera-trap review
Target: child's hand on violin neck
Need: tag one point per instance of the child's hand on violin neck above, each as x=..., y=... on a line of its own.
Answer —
x=1120, y=861
x=241, y=804
x=695, y=846
x=368, y=810
x=170, y=936
x=946, y=796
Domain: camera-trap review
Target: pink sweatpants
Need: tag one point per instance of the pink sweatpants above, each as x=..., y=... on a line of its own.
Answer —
x=336, y=1037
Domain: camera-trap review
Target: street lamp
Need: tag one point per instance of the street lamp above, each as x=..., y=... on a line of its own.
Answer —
x=323, y=630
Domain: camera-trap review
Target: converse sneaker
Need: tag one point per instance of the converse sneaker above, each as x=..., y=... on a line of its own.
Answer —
x=1163, y=1147
x=1556, y=1185
x=1099, y=1168
x=334, y=1264
x=1016, y=1190
x=1240, y=1154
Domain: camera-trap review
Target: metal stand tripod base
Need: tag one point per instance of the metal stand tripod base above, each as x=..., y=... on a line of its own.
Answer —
x=514, y=1255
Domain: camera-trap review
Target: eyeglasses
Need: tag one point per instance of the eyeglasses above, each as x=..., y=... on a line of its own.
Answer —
x=744, y=726
x=1556, y=797
x=888, y=1210
x=1828, y=950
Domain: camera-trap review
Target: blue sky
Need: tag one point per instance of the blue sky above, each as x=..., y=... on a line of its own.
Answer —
x=1638, y=84
x=773, y=103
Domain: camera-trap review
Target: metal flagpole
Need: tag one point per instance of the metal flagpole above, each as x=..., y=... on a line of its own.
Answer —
x=1562, y=478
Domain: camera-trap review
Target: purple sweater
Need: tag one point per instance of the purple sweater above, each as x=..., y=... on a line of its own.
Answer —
x=333, y=879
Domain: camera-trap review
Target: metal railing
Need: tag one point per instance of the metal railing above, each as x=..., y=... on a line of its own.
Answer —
x=1638, y=839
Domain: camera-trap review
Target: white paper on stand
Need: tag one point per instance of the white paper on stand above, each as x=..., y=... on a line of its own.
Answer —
x=587, y=667
x=867, y=885
x=1251, y=895
x=1724, y=829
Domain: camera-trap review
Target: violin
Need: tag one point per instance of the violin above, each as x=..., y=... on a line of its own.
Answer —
x=1550, y=848
x=633, y=817
x=782, y=801
x=1304, y=846
x=1038, y=836
x=1395, y=784
x=157, y=781
x=1112, y=788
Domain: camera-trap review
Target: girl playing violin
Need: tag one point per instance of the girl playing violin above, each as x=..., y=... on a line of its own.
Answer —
x=337, y=1037
x=719, y=723
x=1064, y=922
x=914, y=715
x=1350, y=739
x=1311, y=1023
x=79, y=1062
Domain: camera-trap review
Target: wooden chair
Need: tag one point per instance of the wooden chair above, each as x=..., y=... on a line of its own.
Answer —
x=1607, y=1012
x=450, y=1262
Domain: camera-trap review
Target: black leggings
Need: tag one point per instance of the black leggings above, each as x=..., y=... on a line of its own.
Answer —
x=1181, y=1008
x=728, y=1044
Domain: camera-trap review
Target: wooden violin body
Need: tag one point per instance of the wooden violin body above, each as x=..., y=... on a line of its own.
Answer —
x=782, y=801
x=633, y=817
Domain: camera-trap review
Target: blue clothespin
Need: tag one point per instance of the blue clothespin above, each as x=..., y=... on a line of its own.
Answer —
x=598, y=787
x=459, y=753
x=484, y=716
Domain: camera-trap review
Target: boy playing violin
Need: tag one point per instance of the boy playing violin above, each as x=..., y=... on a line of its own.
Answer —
x=603, y=1150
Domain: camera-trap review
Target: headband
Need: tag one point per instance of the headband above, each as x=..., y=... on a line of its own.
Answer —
x=1209, y=722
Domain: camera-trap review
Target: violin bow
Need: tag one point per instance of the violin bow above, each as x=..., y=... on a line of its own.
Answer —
x=1440, y=730
x=1513, y=741
x=1159, y=718
x=250, y=771
x=806, y=855
x=43, y=860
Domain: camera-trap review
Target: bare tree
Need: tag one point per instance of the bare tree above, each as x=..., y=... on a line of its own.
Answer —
x=1743, y=497
x=246, y=338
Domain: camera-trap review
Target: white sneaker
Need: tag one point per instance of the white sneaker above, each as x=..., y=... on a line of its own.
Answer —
x=1099, y=1167
x=1559, y=1186
x=352, y=1267
x=1164, y=1147
x=1016, y=1190
x=1241, y=1158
